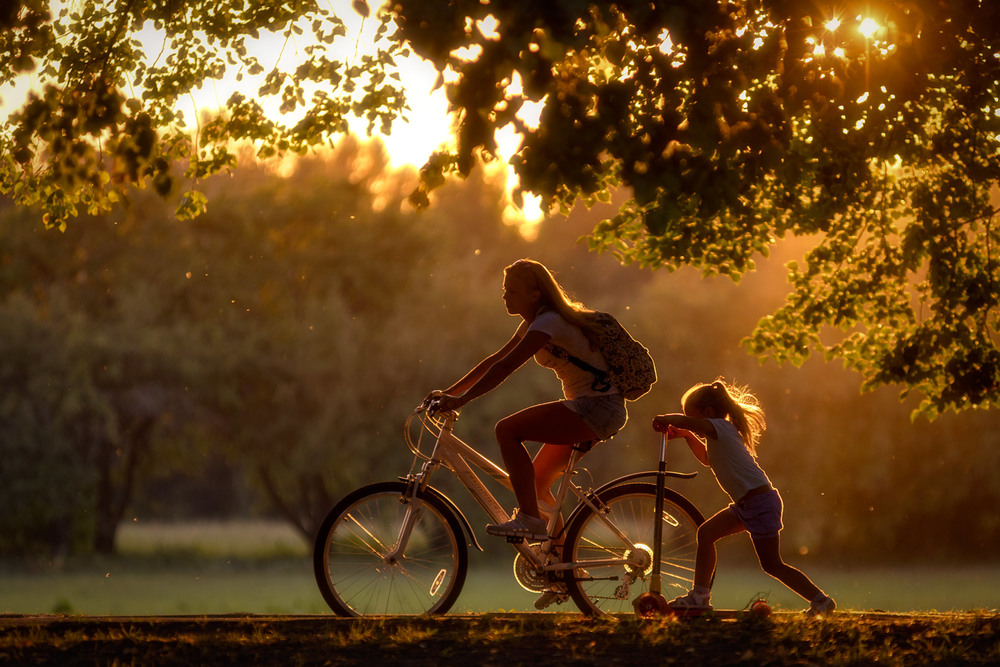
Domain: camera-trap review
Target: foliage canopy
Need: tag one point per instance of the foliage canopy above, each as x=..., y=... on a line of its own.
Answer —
x=869, y=128
x=112, y=78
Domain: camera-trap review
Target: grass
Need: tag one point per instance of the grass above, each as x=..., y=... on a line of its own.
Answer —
x=244, y=594
x=265, y=568
x=287, y=587
x=504, y=639
x=257, y=540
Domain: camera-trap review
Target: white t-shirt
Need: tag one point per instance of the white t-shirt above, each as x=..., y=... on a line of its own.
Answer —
x=576, y=382
x=732, y=464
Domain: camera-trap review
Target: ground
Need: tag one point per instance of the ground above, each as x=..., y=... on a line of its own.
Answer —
x=502, y=639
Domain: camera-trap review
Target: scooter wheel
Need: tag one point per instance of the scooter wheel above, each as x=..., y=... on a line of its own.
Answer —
x=649, y=604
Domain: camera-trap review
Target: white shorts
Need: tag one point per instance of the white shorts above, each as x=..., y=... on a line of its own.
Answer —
x=605, y=415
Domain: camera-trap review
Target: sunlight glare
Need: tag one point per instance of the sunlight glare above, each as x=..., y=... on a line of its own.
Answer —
x=488, y=28
x=468, y=53
x=427, y=126
x=527, y=217
x=530, y=113
x=832, y=24
x=868, y=27
x=666, y=44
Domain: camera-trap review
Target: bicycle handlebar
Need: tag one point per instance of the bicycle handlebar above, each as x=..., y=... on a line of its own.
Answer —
x=432, y=404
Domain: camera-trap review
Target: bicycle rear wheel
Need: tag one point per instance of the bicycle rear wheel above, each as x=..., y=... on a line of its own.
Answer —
x=361, y=572
x=610, y=588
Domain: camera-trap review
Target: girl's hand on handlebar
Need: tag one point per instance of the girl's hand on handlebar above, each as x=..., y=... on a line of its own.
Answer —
x=430, y=398
x=662, y=424
x=444, y=403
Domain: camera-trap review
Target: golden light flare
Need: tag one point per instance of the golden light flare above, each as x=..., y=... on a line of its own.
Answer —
x=868, y=27
x=666, y=46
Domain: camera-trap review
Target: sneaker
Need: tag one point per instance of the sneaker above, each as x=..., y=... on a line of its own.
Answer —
x=522, y=525
x=691, y=602
x=553, y=595
x=821, y=607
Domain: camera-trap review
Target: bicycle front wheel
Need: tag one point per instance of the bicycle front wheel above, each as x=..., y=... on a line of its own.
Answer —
x=613, y=571
x=375, y=555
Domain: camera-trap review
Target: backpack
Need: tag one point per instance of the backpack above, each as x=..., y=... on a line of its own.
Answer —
x=630, y=367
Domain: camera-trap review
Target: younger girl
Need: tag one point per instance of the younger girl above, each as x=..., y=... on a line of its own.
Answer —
x=722, y=425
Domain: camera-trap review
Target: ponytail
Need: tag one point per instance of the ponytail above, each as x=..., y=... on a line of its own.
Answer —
x=734, y=403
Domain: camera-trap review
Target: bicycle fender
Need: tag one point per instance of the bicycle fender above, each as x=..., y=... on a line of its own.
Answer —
x=470, y=535
x=631, y=477
x=643, y=474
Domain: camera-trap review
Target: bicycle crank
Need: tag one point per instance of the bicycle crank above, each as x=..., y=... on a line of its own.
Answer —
x=528, y=575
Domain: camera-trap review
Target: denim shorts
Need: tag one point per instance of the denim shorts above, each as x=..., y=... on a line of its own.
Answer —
x=605, y=415
x=761, y=515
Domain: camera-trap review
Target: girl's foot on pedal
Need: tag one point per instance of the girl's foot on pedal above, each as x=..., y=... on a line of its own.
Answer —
x=522, y=525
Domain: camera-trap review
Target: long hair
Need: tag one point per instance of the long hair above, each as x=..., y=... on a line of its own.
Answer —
x=733, y=402
x=554, y=297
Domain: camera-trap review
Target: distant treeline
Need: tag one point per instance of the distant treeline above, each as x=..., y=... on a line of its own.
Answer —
x=261, y=359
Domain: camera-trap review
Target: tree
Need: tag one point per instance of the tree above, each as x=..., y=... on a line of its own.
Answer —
x=94, y=371
x=870, y=128
x=106, y=116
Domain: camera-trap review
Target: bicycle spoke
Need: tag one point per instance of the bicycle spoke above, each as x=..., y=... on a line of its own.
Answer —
x=352, y=519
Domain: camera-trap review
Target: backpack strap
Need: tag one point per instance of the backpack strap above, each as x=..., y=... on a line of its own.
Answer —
x=600, y=383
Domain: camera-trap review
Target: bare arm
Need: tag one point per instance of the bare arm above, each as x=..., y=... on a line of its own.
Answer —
x=496, y=368
x=480, y=369
x=493, y=370
x=692, y=429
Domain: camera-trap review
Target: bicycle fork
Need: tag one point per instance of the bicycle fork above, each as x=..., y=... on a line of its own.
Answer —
x=414, y=506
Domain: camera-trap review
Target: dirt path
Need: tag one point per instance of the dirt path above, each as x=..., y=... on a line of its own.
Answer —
x=500, y=639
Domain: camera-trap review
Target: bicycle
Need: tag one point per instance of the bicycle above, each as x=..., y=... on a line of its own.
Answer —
x=401, y=547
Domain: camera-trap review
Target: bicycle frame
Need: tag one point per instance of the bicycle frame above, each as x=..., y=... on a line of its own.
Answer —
x=449, y=450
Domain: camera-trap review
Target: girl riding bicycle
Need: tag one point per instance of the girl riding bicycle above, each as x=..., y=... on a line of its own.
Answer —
x=549, y=318
x=722, y=425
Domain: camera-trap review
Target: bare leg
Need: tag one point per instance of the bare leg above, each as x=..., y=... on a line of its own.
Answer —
x=549, y=464
x=769, y=555
x=722, y=524
x=551, y=423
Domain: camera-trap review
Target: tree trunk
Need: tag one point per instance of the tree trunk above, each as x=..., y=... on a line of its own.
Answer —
x=111, y=505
